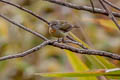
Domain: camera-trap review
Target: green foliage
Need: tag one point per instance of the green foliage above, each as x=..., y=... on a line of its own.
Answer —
x=87, y=74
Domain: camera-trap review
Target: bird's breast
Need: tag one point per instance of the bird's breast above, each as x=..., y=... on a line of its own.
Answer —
x=57, y=33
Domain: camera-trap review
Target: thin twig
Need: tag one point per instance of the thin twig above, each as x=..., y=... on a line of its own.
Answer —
x=112, y=5
x=24, y=28
x=84, y=8
x=70, y=38
x=25, y=52
x=75, y=42
x=110, y=14
x=92, y=4
x=26, y=10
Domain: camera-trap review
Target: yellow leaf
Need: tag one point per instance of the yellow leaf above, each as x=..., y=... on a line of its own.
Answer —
x=3, y=29
x=108, y=24
x=98, y=61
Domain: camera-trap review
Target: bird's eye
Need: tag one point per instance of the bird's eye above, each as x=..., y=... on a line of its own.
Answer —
x=53, y=23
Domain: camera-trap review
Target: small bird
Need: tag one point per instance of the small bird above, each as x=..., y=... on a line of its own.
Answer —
x=60, y=28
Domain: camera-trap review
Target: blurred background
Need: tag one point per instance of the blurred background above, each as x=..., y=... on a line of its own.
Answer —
x=98, y=31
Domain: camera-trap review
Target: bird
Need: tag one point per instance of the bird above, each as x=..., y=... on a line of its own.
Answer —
x=60, y=28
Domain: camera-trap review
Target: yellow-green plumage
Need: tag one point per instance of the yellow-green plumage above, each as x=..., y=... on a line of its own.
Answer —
x=57, y=33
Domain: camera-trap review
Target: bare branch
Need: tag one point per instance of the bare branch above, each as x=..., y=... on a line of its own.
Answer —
x=25, y=52
x=23, y=27
x=112, y=5
x=26, y=10
x=110, y=14
x=75, y=42
x=84, y=8
x=63, y=46
x=92, y=4
x=86, y=51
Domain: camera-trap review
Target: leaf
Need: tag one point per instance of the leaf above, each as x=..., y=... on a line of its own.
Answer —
x=75, y=61
x=77, y=64
x=3, y=65
x=114, y=71
x=97, y=61
x=80, y=74
x=3, y=29
x=108, y=24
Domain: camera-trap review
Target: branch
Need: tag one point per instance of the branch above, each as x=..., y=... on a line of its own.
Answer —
x=25, y=52
x=112, y=5
x=86, y=51
x=75, y=42
x=71, y=40
x=26, y=10
x=63, y=46
x=110, y=14
x=92, y=4
x=84, y=8
x=24, y=28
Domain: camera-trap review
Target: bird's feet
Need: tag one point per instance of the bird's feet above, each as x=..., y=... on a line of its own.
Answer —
x=61, y=40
